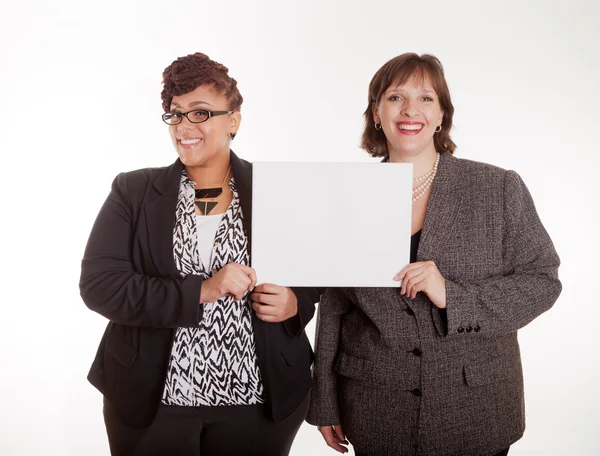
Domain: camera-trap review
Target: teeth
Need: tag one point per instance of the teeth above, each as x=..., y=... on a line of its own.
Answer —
x=190, y=141
x=410, y=127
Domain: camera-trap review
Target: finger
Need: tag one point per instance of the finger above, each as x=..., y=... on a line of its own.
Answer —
x=252, y=275
x=269, y=288
x=417, y=284
x=238, y=286
x=246, y=271
x=246, y=274
x=340, y=433
x=332, y=440
x=409, y=282
x=266, y=299
x=238, y=294
x=332, y=434
x=408, y=268
x=409, y=279
x=400, y=275
x=264, y=310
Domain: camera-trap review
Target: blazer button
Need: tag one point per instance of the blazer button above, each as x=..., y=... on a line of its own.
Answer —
x=214, y=268
x=461, y=329
x=417, y=352
x=477, y=328
x=417, y=392
x=469, y=329
x=409, y=311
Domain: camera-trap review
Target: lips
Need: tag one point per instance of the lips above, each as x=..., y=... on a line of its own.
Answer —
x=188, y=143
x=410, y=128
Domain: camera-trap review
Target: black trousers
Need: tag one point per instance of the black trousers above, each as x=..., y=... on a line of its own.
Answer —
x=502, y=453
x=205, y=431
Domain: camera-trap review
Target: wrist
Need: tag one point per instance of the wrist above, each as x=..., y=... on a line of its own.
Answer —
x=206, y=292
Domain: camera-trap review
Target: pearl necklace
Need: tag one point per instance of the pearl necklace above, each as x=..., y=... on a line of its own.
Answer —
x=428, y=176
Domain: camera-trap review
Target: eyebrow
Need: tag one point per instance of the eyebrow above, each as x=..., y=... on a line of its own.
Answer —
x=422, y=90
x=193, y=104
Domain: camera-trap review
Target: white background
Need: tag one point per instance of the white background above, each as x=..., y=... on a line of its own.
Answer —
x=80, y=103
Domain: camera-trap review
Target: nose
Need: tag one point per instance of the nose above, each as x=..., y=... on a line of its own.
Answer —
x=409, y=109
x=185, y=124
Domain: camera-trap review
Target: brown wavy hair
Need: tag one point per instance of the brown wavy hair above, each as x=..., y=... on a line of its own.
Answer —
x=398, y=71
x=190, y=72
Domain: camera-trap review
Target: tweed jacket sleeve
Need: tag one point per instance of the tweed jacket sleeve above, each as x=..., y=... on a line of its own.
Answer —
x=324, y=408
x=528, y=287
x=113, y=286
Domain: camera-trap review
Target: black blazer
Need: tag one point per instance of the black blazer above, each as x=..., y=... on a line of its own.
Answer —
x=129, y=276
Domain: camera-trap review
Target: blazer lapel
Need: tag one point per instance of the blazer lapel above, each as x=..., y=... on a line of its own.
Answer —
x=442, y=208
x=160, y=219
x=242, y=173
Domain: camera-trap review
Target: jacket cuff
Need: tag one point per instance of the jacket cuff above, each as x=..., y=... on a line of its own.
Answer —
x=194, y=310
x=306, y=309
x=460, y=310
x=293, y=325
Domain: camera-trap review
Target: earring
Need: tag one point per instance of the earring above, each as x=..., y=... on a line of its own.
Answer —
x=377, y=126
x=438, y=129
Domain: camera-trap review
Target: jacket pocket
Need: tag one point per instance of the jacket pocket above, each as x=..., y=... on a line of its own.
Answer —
x=492, y=370
x=352, y=366
x=120, y=350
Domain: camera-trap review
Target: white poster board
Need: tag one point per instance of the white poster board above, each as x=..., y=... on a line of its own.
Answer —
x=331, y=224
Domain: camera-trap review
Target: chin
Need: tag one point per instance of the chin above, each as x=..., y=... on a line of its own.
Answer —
x=411, y=150
x=192, y=159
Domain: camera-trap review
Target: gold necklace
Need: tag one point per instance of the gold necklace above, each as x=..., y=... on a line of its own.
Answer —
x=210, y=194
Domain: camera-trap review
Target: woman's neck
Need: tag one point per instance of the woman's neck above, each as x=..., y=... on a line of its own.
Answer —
x=209, y=176
x=422, y=163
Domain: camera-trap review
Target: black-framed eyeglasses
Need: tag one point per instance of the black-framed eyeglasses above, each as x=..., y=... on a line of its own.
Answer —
x=195, y=116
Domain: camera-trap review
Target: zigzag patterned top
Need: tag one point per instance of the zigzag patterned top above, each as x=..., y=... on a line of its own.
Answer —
x=215, y=363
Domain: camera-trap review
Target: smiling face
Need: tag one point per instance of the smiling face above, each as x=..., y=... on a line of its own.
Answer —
x=203, y=144
x=409, y=114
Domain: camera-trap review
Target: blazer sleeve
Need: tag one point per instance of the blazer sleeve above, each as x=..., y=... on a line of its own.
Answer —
x=528, y=287
x=109, y=284
x=307, y=298
x=324, y=406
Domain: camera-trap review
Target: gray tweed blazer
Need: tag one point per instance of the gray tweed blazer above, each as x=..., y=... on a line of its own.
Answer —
x=404, y=378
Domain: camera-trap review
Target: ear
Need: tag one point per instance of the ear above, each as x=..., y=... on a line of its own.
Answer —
x=235, y=121
x=441, y=118
x=375, y=113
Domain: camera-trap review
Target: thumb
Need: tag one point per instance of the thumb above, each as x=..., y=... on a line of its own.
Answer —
x=339, y=432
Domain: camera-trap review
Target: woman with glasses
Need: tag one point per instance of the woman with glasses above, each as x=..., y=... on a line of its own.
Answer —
x=197, y=358
x=433, y=368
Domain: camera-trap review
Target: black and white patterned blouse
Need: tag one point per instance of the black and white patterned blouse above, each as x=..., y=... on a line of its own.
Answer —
x=215, y=363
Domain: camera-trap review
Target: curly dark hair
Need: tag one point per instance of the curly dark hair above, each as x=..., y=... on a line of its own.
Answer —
x=398, y=71
x=190, y=72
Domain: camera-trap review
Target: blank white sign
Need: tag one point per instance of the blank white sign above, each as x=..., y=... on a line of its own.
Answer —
x=331, y=224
